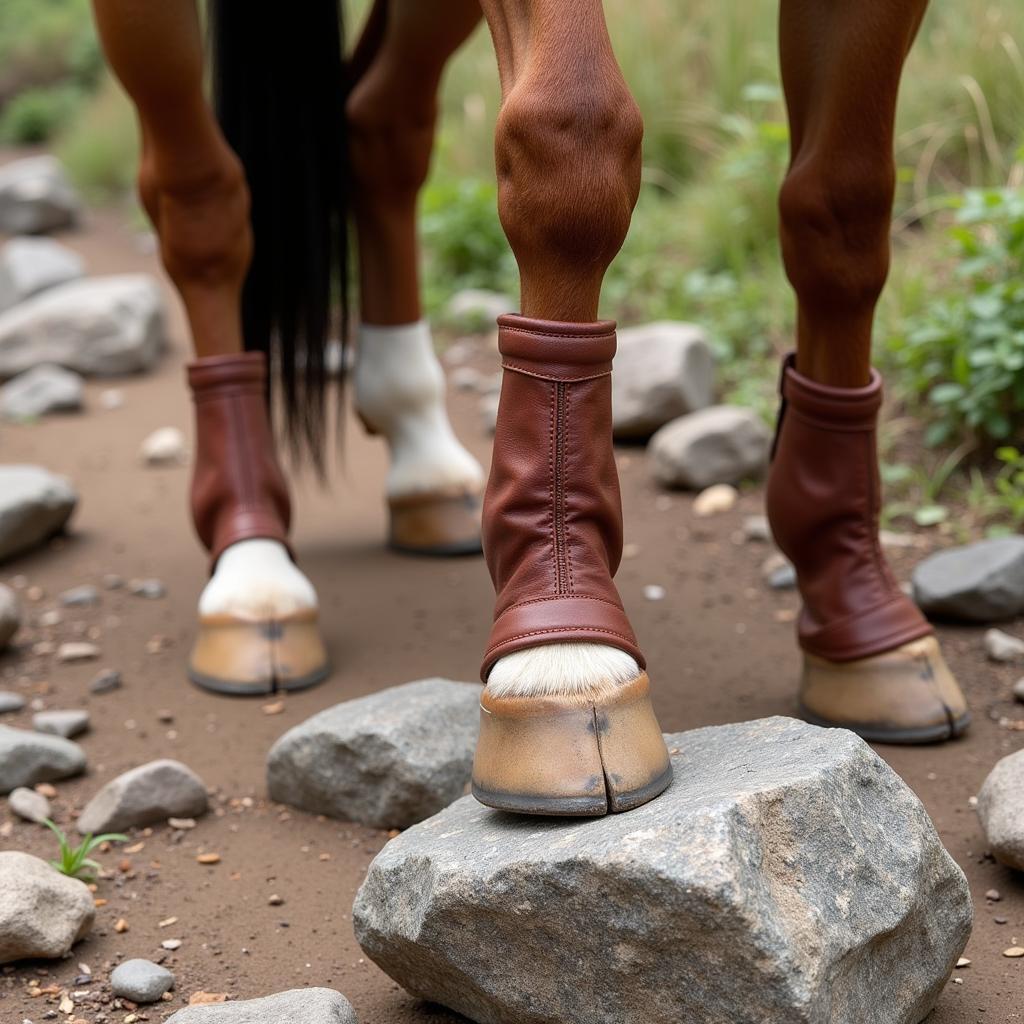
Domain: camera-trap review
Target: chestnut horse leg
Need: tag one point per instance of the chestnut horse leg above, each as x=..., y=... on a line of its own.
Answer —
x=194, y=191
x=566, y=723
x=871, y=661
x=434, y=484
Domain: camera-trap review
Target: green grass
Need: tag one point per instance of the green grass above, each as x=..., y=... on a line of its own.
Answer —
x=74, y=861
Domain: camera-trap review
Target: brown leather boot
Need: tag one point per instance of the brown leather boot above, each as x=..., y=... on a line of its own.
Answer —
x=239, y=493
x=552, y=530
x=871, y=661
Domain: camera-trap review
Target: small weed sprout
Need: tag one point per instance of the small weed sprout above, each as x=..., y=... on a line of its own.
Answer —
x=74, y=860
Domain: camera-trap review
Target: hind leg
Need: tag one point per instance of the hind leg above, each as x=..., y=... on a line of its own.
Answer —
x=258, y=611
x=871, y=661
x=434, y=484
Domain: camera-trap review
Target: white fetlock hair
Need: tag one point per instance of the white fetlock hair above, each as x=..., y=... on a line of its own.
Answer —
x=574, y=670
x=257, y=579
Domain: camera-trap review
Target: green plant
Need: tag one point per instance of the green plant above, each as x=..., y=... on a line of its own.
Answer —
x=1002, y=499
x=36, y=114
x=74, y=860
x=964, y=353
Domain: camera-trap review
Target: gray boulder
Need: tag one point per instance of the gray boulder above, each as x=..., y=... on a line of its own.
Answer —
x=141, y=981
x=42, y=912
x=10, y=615
x=10, y=702
x=28, y=804
x=31, y=265
x=145, y=795
x=61, y=723
x=662, y=371
x=34, y=505
x=43, y=389
x=297, y=1006
x=30, y=757
x=102, y=326
x=1001, y=810
x=982, y=582
x=780, y=878
x=36, y=196
x=720, y=445
x=387, y=760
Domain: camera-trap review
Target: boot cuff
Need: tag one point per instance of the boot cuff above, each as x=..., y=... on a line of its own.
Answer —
x=214, y=372
x=556, y=351
x=838, y=408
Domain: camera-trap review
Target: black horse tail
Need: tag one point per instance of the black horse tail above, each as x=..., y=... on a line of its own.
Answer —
x=279, y=85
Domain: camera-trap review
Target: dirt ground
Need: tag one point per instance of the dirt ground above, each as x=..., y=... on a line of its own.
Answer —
x=717, y=652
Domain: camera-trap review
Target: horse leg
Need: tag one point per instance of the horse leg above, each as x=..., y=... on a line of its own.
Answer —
x=871, y=661
x=194, y=190
x=434, y=484
x=567, y=725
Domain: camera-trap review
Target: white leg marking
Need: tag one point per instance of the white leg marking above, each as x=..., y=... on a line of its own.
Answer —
x=563, y=670
x=256, y=579
x=400, y=392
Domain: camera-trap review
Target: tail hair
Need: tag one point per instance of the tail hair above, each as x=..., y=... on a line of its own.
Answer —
x=279, y=86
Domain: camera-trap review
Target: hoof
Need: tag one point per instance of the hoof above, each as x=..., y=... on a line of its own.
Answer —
x=907, y=695
x=242, y=657
x=435, y=524
x=556, y=756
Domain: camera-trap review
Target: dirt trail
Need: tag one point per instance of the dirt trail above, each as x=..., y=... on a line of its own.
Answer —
x=716, y=654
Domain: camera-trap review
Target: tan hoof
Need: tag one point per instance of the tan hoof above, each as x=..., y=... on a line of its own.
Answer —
x=907, y=695
x=247, y=657
x=551, y=755
x=435, y=524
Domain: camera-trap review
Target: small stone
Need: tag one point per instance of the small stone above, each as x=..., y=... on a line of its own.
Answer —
x=654, y=592
x=298, y=1006
x=29, y=805
x=45, y=789
x=152, y=589
x=994, y=895
x=1014, y=952
x=980, y=582
x=1018, y=689
x=719, y=445
x=77, y=650
x=164, y=447
x=387, y=760
x=43, y=389
x=275, y=901
x=61, y=723
x=999, y=919
x=962, y=963
x=34, y=505
x=171, y=944
x=30, y=757
x=36, y=197
x=208, y=858
x=1000, y=646
x=182, y=823
x=487, y=409
x=10, y=615
x=50, y=618
x=10, y=702
x=121, y=926
x=141, y=981
x=782, y=577
x=756, y=528
x=106, y=682
x=80, y=597
x=42, y=912
x=111, y=399
x=714, y=500
x=1001, y=810
x=145, y=795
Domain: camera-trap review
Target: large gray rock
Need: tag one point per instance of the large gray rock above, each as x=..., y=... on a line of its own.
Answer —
x=42, y=912
x=982, y=582
x=34, y=505
x=1001, y=810
x=387, y=760
x=69, y=723
x=46, y=388
x=141, y=981
x=298, y=1006
x=30, y=757
x=103, y=326
x=31, y=265
x=786, y=875
x=10, y=615
x=144, y=796
x=662, y=371
x=720, y=445
x=35, y=196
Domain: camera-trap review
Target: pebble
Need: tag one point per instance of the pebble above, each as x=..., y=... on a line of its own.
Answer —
x=77, y=650
x=1018, y=689
x=653, y=592
x=171, y=944
x=106, y=682
x=275, y=900
x=10, y=702
x=1000, y=646
x=51, y=618
x=714, y=500
x=164, y=447
x=80, y=597
x=29, y=757
x=756, y=528
x=141, y=981
x=30, y=805
x=994, y=895
x=43, y=389
x=10, y=615
x=782, y=577
x=61, y=723
x=152, y=589
x=1014, y=951
x=111, y=398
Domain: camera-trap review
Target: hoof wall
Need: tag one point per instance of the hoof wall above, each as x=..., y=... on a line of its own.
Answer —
x=434, y=524
x=242, y=657
x=553, y=756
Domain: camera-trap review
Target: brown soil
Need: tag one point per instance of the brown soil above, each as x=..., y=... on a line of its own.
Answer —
x=717, y=654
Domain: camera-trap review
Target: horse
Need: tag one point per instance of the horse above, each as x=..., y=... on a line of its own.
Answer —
x=251, y=197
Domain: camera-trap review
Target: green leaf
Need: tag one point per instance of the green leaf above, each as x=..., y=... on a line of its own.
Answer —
x=930, y=515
